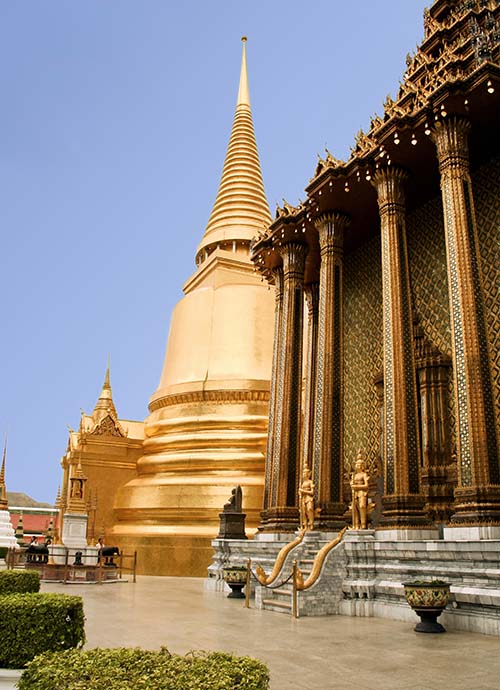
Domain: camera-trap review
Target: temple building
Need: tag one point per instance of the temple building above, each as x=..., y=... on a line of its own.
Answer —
x=395, y=254
x=158, y=487
x=386, y=339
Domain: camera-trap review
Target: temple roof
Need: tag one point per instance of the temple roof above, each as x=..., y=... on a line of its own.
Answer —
x=241, y=208
x=455, y=72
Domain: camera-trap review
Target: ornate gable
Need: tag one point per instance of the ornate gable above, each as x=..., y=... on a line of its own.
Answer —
x=108, y=426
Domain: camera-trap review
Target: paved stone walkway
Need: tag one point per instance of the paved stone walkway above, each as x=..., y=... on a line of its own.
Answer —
x=328, y=653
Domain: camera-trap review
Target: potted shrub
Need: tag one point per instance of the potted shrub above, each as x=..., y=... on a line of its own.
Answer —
x=428, y=599
x=236, y=577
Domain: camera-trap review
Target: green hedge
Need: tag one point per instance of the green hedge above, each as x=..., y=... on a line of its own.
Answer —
x=137, y=669
x=19, y=581
x=31, y=624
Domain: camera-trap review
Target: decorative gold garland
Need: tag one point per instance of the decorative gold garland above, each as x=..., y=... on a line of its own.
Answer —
x=217, y=396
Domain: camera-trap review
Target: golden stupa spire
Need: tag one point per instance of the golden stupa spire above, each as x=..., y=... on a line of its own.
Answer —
x=241, y=209
x=105, y=404
x=243, y=93
x=3, y=489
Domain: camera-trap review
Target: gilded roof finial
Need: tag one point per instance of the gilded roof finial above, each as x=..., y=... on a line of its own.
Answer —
x=106, y=378
x=105, y=404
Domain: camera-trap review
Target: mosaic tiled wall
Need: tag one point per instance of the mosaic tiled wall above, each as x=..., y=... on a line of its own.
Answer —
x=427, y=258
x=362, y=349
x=429, y=282
x=486, y=190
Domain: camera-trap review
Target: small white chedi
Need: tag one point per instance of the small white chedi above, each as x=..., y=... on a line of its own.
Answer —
x=7, y=535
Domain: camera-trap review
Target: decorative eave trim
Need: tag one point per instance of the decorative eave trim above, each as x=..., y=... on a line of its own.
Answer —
x=400, y=123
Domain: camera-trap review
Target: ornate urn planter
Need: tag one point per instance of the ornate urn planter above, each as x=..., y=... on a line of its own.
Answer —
x=236, y=577
x=428, y=599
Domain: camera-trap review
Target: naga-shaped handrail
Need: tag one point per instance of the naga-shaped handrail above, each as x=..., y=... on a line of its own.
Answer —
x=319, y=559
x=280, y=560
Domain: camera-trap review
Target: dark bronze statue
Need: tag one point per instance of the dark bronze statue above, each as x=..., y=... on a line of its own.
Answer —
x=232, y=519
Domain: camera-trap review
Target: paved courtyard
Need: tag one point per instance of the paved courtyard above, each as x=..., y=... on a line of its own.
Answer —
x=329, y=653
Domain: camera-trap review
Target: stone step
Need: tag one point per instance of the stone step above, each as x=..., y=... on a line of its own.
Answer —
x=277, y=606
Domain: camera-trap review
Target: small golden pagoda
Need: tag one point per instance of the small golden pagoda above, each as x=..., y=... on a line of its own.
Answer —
x=106, y=450
x=207, y=426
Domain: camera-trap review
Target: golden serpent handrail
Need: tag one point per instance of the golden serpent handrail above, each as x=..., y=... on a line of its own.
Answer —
x=319, y=559
x=267, y=579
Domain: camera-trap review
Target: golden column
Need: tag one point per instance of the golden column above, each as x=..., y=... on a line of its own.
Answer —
x=329, y=426
x=312, y=301
x=477, y=498
x=282, y=514
x=271, y=441
x=403, y=504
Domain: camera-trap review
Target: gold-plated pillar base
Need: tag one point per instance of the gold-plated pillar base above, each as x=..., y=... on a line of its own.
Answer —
x=279, y=519
x=333, y=516
x=437, y=488
x=477, y=505
x=404, y=511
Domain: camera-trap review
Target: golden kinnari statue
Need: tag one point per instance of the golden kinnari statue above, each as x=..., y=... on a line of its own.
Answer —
x=306, y=501
x=359, y=486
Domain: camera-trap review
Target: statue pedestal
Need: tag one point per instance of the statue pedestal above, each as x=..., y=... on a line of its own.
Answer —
x=57, y=553
x=232, y=526
x=74, y=533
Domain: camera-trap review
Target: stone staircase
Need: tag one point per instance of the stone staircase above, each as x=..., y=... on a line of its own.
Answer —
x=323, y=597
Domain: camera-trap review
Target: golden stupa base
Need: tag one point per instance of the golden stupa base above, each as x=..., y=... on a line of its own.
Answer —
x=175, y=555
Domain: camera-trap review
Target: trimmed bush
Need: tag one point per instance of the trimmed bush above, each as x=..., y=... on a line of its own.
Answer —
x=137, y=669
x=31, y=624
x=19, y=581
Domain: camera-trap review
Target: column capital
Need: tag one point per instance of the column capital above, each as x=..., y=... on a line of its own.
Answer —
x=330, y=227
x=389, y=183
x=294, y=258
x=451, y=139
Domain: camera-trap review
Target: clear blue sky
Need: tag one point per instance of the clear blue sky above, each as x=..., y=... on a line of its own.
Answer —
x=114, y=123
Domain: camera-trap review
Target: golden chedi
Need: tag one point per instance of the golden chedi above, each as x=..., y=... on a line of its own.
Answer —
x=207, y=427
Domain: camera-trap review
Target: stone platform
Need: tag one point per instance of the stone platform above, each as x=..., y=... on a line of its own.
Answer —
x=363, y=576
